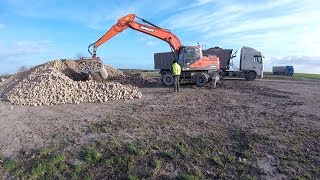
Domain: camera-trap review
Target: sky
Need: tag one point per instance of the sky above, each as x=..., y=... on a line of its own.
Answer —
x=32, y=32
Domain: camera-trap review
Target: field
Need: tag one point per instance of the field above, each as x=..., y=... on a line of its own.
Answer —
x=263, y=129
x=296, y=76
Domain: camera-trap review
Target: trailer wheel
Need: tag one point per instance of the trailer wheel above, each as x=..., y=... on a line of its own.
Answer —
x=201, y=79
x=167, y=79
x=221, y=73
x=251, y=75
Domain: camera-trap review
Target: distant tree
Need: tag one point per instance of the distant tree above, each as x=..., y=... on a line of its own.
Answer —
x=23, y=68
x=5, y=76
x=79, y=55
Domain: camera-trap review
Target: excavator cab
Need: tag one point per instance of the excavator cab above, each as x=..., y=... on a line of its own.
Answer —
x=188, y=55
x=191, y=58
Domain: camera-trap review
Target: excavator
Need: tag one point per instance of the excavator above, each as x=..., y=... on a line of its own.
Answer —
x=189, y=57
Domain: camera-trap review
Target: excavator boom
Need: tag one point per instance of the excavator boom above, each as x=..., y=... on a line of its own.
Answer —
x=94, y=64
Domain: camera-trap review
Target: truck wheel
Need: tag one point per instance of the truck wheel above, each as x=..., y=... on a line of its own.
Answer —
x=201, y=79
x=167, y=79
x=250, y=76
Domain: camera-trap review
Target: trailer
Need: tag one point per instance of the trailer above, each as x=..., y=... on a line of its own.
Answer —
x=283, y=70
x=251, y=66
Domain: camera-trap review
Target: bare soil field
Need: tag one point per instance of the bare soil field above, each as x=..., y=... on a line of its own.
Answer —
x=241, y=130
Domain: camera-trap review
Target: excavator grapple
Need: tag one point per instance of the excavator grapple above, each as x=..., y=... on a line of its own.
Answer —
x=92, y=65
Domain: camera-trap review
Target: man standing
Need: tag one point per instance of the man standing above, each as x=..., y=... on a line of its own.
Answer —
x=216, y=78
x=176, y=70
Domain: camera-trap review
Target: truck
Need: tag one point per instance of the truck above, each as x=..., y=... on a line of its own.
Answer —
x=251, y=66
x=283, y=70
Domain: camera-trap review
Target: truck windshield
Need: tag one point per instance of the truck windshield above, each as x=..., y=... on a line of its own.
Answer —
x=258, y=59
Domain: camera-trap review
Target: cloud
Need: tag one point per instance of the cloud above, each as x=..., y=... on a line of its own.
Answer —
x=98, y=16
x=202, y=2
x=2, y=26
x=23, y=49
x=277, y=28
x=151, y=43
x=148, y=40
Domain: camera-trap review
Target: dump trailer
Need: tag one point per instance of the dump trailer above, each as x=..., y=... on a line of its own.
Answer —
x=251, y=66
x=283, y=70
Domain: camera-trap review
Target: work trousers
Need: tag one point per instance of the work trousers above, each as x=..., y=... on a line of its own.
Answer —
x=176, y=83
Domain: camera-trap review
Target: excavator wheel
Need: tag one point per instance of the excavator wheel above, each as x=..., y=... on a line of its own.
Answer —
x=201, y=79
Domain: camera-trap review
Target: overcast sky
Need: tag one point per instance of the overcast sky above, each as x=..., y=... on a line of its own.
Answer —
x=287, y=32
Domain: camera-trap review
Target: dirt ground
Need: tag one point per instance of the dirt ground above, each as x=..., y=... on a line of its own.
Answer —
x=277, y=120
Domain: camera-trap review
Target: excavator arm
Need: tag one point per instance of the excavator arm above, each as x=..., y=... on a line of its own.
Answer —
x=94, y=64
x=129, y=21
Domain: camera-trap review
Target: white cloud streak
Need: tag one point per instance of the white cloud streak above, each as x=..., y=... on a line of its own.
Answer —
x=282, y=28
x=227, y=18
x=23, y=49
x=277, y=28
x=98, y=15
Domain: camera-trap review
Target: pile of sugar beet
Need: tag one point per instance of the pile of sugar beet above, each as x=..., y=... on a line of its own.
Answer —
x=59, y=82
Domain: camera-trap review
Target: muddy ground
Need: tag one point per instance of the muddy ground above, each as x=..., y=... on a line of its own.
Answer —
x=263, y=129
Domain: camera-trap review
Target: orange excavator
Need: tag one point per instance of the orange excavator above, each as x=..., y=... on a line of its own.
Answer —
x=189, y=57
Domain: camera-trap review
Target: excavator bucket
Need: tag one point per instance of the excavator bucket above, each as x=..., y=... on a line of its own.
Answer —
x=93, y=65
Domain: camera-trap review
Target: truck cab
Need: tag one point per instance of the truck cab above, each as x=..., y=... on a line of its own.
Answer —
x=251, y=62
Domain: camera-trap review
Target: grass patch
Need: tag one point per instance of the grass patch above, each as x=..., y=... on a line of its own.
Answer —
x=305, y=75
x=10, y=165
x=188, y=177
x=136, y=149
x=296, y=76
x=216, y=160
x=205, y=156
x=92, y=155
x=151, y=74
x=182, y=149
x=148, y=73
